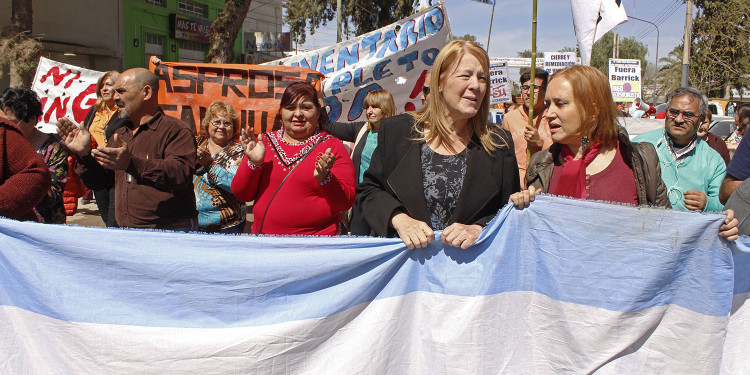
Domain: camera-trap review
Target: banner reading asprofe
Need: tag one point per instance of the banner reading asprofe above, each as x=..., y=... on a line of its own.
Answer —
x=187, y=89
x=625, y=79
x=499, y=90
x=394, y=58
x=554, y=61
x=64, y=90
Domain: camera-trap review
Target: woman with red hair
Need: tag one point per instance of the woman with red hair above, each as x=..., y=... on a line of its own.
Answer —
x=592, y=156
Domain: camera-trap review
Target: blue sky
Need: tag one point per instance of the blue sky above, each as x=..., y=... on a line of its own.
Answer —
x=511, y=29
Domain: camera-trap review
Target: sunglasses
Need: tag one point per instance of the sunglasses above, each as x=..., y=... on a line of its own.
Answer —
x=426, y=90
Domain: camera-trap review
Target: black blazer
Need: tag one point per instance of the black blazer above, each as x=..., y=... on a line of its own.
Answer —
x=346, y=131
x=394, y=179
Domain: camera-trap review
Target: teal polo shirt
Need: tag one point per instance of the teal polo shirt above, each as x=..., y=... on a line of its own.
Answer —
x=701, y=169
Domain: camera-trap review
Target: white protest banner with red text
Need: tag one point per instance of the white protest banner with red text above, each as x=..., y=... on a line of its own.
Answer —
x=499, y=89
x=394, y=58
x=65, y=90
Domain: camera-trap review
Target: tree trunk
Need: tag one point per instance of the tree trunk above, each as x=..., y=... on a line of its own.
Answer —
x=26, y=53
x=21, y=16
x=225, y=29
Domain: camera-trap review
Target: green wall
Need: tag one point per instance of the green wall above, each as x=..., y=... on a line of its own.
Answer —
x=141, y=18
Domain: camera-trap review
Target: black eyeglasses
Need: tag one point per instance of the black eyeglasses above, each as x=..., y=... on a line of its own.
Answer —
x=426, y=90
x=688, y=116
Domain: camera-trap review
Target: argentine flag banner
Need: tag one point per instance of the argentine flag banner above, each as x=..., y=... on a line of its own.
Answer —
x=563, y=286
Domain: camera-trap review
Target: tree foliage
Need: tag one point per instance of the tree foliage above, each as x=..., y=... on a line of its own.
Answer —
x=18, y=50
x=226, y=27
x=527, y=54
x=720, y=53
x=629, y=49
x=468, y=38
x=359, y=16
x=670, y=71
x=570, y=49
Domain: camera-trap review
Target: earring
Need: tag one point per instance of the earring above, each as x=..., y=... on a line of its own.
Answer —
x=585, y=142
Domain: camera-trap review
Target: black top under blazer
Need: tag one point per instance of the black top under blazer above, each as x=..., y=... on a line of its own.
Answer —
x=394, y=179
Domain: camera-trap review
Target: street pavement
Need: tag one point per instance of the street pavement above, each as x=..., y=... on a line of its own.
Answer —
x=87, y=215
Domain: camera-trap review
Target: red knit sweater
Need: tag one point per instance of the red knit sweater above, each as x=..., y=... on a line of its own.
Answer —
x=302, y=206
x=24, y=178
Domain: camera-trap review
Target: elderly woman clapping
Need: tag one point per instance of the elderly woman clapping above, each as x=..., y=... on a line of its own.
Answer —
x=218, y=156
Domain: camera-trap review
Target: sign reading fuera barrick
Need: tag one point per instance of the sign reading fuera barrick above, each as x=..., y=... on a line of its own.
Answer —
x=625, y=79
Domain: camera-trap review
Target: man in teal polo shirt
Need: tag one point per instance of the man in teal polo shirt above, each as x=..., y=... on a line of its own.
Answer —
x=692, y=171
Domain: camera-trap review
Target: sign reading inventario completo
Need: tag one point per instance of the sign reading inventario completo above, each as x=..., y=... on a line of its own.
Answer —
x=625, y=79
x=394, y=58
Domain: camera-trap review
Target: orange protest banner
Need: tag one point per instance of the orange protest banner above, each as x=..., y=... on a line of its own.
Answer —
x=187, y=89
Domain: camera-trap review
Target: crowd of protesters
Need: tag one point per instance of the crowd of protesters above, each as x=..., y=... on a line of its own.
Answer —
x=444, y=167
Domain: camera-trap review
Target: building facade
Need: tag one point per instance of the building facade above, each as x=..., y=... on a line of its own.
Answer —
x=173, y=30
x=122, y=34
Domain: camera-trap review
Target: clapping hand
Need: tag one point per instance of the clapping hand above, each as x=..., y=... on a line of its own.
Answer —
x=115, y=158
x=323, y=164
x=204, y=156
x=77, y=140
x=255, y=149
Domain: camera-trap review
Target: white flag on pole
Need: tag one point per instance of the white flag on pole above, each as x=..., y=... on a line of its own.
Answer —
x=592, y=19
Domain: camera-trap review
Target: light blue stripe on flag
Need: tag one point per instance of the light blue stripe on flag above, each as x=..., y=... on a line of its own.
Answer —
x=613, y=257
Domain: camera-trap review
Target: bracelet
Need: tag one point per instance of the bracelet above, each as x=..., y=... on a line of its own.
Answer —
x=252, y=166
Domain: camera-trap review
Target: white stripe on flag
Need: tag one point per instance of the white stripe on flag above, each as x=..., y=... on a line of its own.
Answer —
x=420, y=333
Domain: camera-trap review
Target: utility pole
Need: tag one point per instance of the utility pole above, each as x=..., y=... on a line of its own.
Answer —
x=338, y=21
x=614, y=43
x=686, y=44
x=656, y=65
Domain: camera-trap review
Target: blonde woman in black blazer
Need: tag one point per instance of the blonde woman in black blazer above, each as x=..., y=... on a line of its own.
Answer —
x=444, y=167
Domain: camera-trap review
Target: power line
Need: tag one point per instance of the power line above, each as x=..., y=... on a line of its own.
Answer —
x=660, y=20
x=660, y=17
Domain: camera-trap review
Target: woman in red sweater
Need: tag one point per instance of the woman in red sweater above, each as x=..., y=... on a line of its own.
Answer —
x=300, y=177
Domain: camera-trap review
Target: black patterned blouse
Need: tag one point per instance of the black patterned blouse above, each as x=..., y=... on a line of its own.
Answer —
x=443, y=177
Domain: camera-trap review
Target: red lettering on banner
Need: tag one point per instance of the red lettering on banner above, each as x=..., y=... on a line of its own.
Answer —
x=57, y=77
x=67, y=85
x=79, y=111
x=58, y=107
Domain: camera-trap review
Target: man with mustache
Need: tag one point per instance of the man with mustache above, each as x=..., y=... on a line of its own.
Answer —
x=692, y=171
x=152, y=156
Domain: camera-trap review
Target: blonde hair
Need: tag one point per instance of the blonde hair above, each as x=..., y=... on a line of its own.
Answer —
x=592, y=96
x=113, y=74
x=433, y=114
x=218, y=107
x=380, y=99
